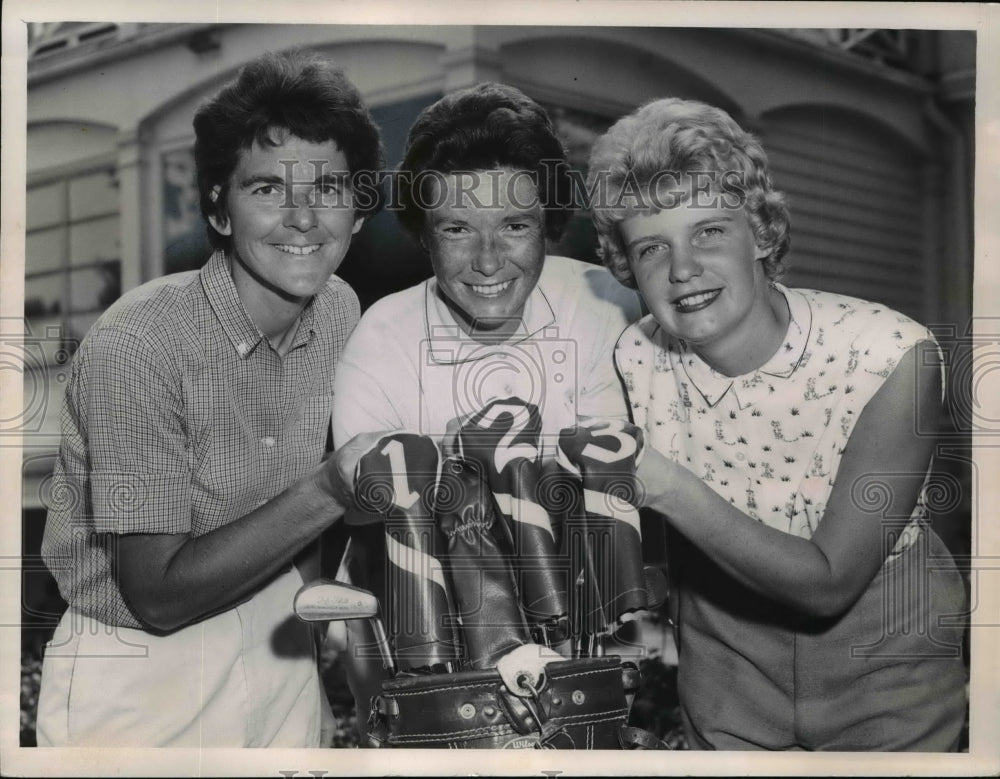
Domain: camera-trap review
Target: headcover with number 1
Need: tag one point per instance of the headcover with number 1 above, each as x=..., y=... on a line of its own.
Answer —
x=397, y=478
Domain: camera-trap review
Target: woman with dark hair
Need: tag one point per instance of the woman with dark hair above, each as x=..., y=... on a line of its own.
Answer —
x=501, y=318
x=190, y=485
x=786, y=449
x=301, y=95
x=487, y=127
x=479, y=188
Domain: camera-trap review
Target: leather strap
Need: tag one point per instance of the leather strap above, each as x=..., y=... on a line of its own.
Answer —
x=637, y=738
x=526, y=715
x=630, y=677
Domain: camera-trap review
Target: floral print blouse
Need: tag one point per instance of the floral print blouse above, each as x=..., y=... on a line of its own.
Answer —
x=770, y=441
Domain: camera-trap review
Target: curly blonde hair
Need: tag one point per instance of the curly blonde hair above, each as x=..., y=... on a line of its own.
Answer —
x=682, y=138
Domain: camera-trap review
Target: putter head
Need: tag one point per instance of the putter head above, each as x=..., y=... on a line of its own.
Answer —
x=325, y=600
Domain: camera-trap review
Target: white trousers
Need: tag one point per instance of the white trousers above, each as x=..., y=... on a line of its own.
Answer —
x=244, y=678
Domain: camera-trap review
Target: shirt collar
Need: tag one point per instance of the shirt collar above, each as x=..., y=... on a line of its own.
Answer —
x=451, y=345
x=217, y=281
x=306, y=329
x=749, y=387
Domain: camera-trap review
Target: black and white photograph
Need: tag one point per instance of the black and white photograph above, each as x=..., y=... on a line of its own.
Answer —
x=559, y=380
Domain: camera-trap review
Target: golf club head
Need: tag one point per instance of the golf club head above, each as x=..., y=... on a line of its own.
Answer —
x=325, y=600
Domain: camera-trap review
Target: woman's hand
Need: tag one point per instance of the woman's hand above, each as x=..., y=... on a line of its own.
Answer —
x=335, y=477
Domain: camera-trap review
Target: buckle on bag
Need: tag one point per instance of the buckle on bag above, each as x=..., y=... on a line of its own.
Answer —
x=518, y=715
x=526, y=713
x=377, y=726
x=523, y=673
x=526, y=662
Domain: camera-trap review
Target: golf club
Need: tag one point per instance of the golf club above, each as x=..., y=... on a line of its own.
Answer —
x=323, y=600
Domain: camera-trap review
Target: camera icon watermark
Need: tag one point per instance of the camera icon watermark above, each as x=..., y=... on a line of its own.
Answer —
x=460, y=377
x=40, y=360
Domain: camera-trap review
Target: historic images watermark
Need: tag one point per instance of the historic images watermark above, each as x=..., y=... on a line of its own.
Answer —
x=554, y=182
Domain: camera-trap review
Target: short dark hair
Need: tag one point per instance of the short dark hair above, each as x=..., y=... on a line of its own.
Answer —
x=298, y=92
x=485, y=127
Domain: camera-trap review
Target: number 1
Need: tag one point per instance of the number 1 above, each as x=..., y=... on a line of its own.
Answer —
x=402, y=495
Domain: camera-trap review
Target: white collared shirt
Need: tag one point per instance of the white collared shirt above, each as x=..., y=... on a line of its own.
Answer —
x=410, y=366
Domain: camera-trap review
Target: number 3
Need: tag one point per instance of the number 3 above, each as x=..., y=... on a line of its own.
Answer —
x=627, y=444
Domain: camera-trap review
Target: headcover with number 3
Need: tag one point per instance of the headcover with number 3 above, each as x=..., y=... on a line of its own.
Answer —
x=605, y=453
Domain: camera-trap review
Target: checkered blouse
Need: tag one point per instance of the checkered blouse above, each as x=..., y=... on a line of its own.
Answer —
x=179, y=417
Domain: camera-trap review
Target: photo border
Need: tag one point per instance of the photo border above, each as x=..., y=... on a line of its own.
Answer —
x=984, y=751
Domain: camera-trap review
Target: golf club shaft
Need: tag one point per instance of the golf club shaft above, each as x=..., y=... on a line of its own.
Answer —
x=382, y=641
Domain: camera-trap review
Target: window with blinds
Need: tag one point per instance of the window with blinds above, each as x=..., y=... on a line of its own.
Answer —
x=854, y=193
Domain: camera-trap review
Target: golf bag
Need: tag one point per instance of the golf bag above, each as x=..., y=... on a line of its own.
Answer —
x=498, y=601
x=581, y=704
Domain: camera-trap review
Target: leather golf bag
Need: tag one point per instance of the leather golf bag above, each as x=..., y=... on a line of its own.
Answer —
x=501, y=667
x=580, y=704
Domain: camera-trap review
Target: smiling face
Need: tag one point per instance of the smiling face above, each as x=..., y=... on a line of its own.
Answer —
x=289, y=213
x=698, y=270
x=486, y=242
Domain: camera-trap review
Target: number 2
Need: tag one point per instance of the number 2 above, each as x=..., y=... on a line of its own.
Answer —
x=506, y=450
